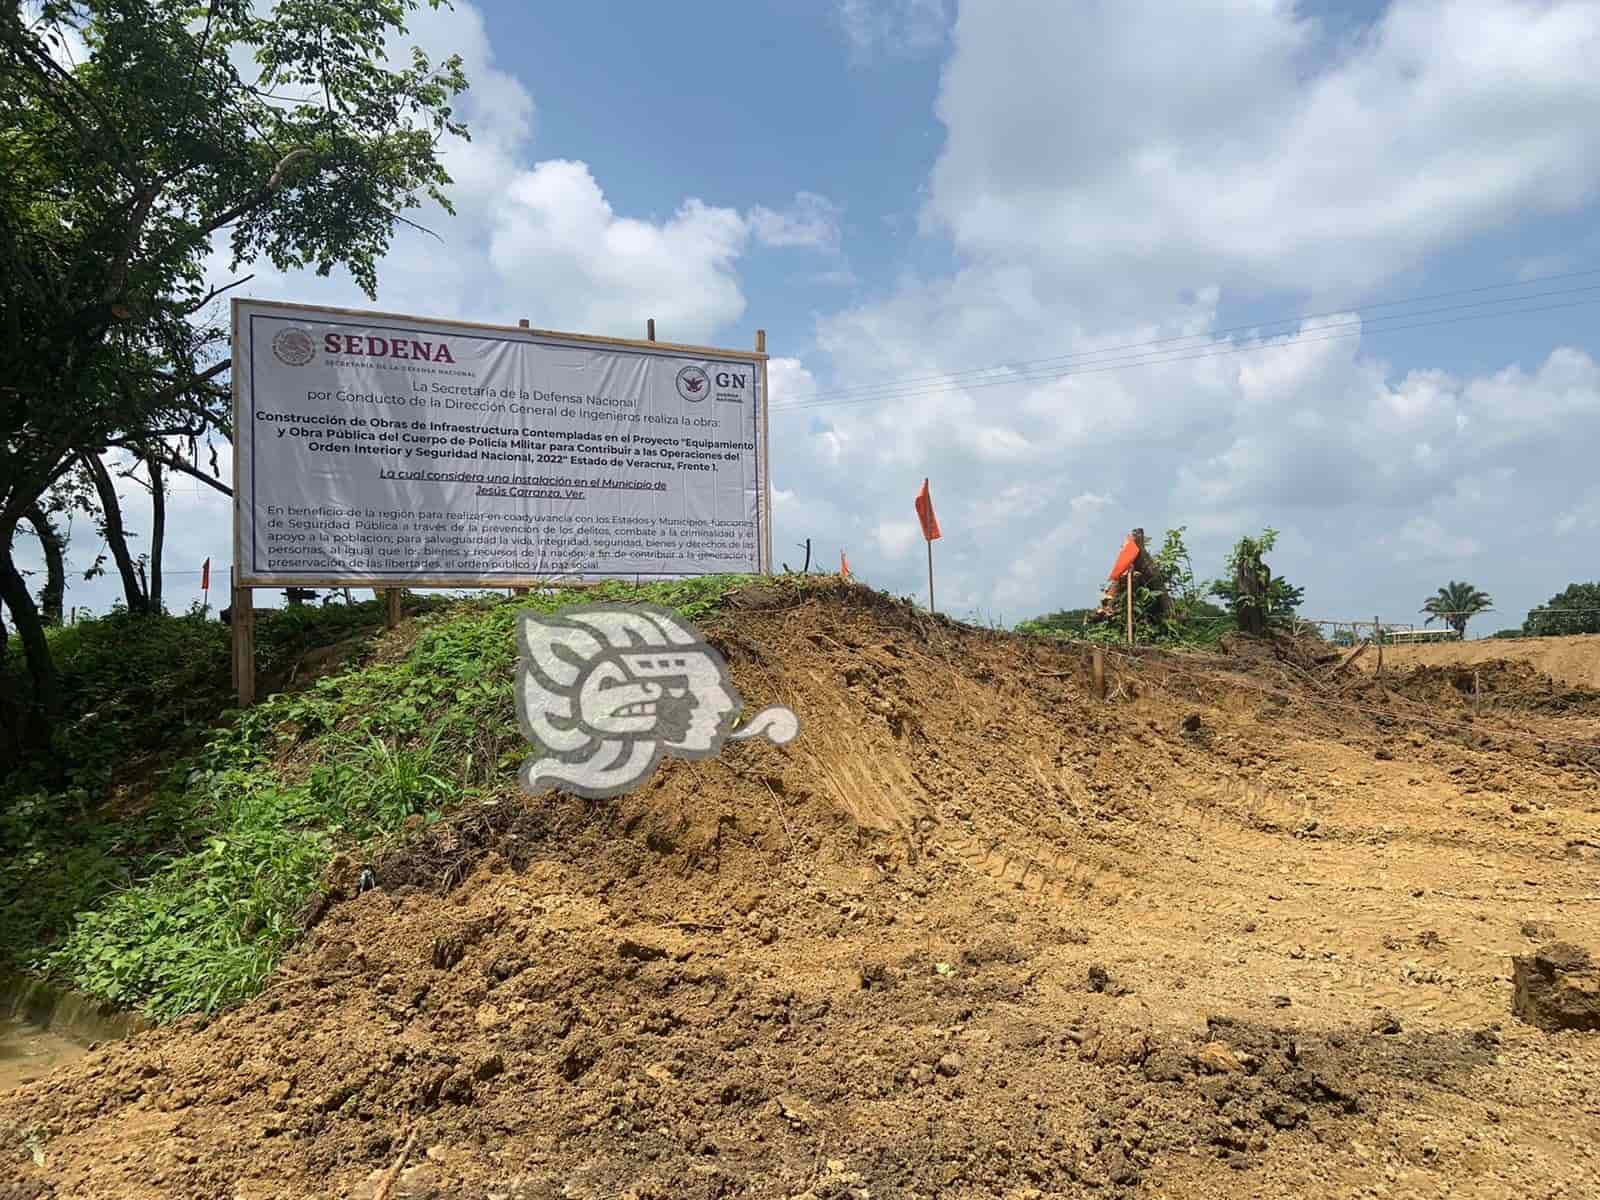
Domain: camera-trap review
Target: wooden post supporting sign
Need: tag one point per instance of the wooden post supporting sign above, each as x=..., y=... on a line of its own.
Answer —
x=391, y=607
x=242, y=621
x=522, y=323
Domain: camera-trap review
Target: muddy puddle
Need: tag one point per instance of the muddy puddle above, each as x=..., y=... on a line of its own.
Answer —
x=28, y=1052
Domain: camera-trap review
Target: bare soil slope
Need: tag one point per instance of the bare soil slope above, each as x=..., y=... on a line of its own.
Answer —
x=973, y=934
x=1573, y=660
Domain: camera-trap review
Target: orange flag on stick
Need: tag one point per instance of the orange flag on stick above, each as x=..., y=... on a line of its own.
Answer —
x=930, y=523
x=205, y=576
x=844, y=566
x=1129, y=555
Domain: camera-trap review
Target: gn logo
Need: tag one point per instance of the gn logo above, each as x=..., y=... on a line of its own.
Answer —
x=732, y=385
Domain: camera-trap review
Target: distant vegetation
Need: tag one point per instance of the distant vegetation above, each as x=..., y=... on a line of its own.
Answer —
x=1069, y=622
x=1255, y=597
x=1575, y=610
x=1455, y=604
x=1173, y=607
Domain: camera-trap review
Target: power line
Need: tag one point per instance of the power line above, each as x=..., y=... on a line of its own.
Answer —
x=896, y=390
x=826, y=401
x=1216, y=333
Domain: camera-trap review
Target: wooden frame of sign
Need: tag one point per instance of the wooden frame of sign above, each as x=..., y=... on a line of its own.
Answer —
x=242, y=613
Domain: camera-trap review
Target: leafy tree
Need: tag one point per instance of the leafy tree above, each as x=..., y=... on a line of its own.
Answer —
x=1456, y=604
x=133, y=132
x=1574, y=610
x=1189, y=615
x=1253, y=595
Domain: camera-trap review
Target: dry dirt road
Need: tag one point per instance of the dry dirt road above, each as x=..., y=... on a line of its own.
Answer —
x=1231, y=933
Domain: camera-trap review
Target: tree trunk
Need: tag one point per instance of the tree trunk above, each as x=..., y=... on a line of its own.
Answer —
x=158, y=531
x=116, y=537
x=39, y=712
x=1250, y=607
x=54, y=594
x=10, y=707
x=1113, y=600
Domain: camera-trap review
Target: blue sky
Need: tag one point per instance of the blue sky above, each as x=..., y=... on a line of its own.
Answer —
x=900, y=189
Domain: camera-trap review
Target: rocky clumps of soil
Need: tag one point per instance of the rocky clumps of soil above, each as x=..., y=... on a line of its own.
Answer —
x=1556, y=987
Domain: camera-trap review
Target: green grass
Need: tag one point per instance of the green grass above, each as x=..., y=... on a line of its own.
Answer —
x=187, y=902
x=137, y=686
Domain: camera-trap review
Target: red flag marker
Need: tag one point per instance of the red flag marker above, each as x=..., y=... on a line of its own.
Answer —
x=930, y=523
x=930, y=531
x=205, y=576
x=844, y=566
x=1126, y=559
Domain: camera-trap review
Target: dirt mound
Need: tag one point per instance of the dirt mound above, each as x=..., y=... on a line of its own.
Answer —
x=973, y=933
x=1504, y=684
x=1573, y=659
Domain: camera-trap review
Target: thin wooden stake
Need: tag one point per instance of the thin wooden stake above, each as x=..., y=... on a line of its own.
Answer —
x=1099, y=667
x=1474, y=693
x=931, y=608
x=650, y=329
x=1377, y=636
x=1130, y=606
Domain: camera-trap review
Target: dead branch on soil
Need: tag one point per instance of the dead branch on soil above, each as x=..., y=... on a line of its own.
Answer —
x=781, y=817
x=387, y=1182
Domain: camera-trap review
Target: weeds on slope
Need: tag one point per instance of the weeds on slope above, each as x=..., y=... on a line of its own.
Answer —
x=189, y=904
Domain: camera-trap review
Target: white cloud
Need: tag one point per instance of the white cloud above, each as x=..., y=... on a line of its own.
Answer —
x=894, y=538
x=1429, y=540
x=542, y=240
x=812, y=222
x=902, y=28
x=1103, y=181
x=1583, y=516
x=788, y=380
x=595, y=270
x=1237, y=139
x=1037, y=482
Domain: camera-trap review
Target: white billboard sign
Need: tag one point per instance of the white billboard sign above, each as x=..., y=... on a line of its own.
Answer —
x=386, y=450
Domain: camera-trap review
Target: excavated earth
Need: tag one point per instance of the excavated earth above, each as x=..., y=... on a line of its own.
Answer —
x=1235, y=931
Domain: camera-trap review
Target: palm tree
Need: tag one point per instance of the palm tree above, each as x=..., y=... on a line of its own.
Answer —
x=1455, y=605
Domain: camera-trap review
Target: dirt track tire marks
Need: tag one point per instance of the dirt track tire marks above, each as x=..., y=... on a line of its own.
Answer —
x=1046, y=875
x=1244, y=804
x=878, y=788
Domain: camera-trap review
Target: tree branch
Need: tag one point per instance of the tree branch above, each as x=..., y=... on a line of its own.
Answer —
x=177, y=464
x=190, y=310
x=244, y=206
x=143, y=203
